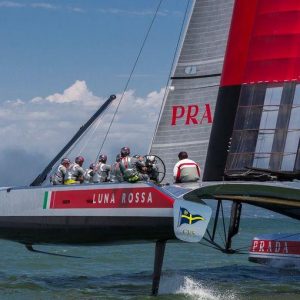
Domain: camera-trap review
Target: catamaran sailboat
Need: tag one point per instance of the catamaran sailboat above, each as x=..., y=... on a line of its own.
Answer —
x=254, y=129
x=97, y=214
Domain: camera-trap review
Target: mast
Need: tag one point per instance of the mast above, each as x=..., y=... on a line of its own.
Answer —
x=187, y=114
x=42, y=177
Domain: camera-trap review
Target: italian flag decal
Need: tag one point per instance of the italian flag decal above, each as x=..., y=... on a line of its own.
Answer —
x=47, y=198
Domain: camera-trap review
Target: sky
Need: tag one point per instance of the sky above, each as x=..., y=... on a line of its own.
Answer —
x=60, y=60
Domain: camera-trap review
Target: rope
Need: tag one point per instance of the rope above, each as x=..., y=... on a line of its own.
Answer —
x=93, y=132
x=75, y=144
x=224, y=227
x=131, y=73
x=171, y=69
x=80, y=139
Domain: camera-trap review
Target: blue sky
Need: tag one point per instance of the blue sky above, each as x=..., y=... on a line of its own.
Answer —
x=59, y=60
x=46, y=46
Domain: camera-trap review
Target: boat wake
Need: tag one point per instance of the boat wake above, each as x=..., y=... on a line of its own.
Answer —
x=286, y=265
x=192, y=289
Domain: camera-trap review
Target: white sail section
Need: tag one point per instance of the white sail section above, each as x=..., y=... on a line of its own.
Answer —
x=187, y=115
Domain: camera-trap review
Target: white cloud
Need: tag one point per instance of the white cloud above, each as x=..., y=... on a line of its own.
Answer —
x=43, y=125
x=43, y=5
x=76, y=9
x=116, y=11
x=11, y=4
x=147, y=12
x=39, y=5
x=78, y=92
x=15, y=102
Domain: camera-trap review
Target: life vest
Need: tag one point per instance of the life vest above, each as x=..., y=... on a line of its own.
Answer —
x=88, y=176
x=115, y=173
x=74, y=173
x=101, y=172
x=128, y=169
x=188, y=171
x=59, y=176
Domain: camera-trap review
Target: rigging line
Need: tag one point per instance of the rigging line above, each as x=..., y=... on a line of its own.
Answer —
x=219, y=248
x=243, y=248
x=212, y=242
x=171, y=69
x=92, y=133
x=54, y=169
x=81, y=137
x=131, y=73
x=223, y=221
x=286, y=236
x=221, y=238
x=210, y=246
x=79, y=140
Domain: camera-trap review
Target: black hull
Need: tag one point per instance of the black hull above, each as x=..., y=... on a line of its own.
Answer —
x=80, y=230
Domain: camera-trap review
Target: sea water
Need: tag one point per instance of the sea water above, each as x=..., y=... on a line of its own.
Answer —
x=190, y=271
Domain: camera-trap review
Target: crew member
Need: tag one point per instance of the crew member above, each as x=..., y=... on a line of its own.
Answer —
x=89, y=173
x=115, y=171
x=60, y=174
x=186, y=170
x=75, y=171
x=102, y=170
x=141, y=167
x=152, y=168
x=128, y=166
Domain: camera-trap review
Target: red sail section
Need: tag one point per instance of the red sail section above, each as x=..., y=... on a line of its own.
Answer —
x=264, y=42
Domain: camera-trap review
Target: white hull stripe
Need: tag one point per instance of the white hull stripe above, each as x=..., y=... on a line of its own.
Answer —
x=97, y=212
x=275, y=256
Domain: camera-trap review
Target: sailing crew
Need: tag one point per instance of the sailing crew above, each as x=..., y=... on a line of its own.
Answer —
x=102, y=170
x=186, y=170
x=89, y=173
x=115, y=171
x=152, y=168
x=75, y=172
x=133, y=168
x=59, y=176
x=128, y=166
x=141, y=167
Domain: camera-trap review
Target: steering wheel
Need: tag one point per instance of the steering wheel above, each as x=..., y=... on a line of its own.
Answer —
x=158, y=162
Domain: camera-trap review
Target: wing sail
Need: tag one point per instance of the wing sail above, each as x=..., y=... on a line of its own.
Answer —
x=256, y=122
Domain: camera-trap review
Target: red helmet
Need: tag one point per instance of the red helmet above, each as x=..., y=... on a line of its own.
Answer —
x=125, y=151
x=103, y=158
x=79, y=160
x=65, y=161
